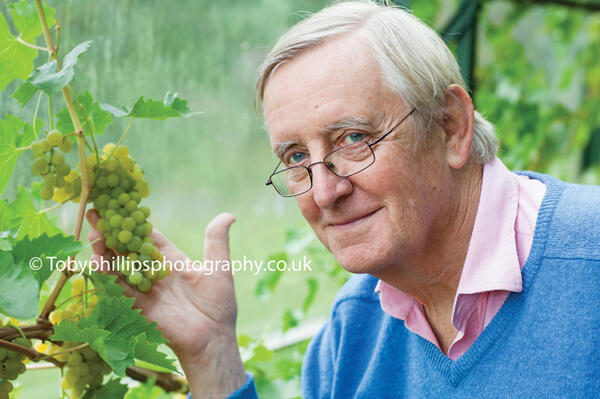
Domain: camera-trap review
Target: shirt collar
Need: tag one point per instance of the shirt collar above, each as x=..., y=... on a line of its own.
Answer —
x=491, y=262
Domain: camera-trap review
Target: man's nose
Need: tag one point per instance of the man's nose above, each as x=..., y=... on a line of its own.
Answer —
x=328, y=187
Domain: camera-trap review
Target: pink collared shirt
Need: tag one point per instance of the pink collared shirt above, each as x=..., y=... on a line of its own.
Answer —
x=499, y=246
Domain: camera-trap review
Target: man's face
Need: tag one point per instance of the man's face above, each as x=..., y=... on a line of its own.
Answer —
x=385, y=213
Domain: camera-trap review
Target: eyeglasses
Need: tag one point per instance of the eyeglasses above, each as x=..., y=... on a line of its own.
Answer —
x=343, y=162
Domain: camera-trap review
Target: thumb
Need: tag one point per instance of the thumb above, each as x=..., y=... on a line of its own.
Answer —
x=216, y=240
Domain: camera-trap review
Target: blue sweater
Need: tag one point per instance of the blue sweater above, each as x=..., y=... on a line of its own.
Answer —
x=543, y=342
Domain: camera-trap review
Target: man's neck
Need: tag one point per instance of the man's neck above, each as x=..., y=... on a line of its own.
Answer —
x=432, y=276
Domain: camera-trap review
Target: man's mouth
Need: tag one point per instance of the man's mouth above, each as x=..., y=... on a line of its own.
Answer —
x=349, y=222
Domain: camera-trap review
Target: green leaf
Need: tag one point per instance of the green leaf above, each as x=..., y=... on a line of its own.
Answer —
x=149, y=352
x=267, y=284
x=14, y=133
x=32, y=224
x=49, y=79
x=95, y=117
x=112, y=389
x=105, y=284
x=57, y=246
x=112, y=330
x=16, y=60
x=27, y=21
x=24, y=93
x=313, y=286
x=170, y=107
x=18, y=289
x=147, y=390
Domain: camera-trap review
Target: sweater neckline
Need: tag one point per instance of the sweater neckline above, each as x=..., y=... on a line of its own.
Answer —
x=454, y=371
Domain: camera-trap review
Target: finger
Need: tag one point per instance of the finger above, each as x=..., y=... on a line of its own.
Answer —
x=216, y=241
x=104, y=261
x=94, y=235
x=97, y=239
x=92, y=217
x=159, y=239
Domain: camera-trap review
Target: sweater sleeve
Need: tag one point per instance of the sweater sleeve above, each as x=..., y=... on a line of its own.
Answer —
x=246, y=391
x=319, y=366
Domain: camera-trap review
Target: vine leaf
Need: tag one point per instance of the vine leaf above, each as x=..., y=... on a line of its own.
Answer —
x=148, y=352
x=147, y=390
x=18, y=289
x=14, y=133
x=105, y=284
x=58, y=246
x=171, y=106
x=48, y=78
x=31, y=223
x=16, y=60
x=96, y=117
x=113, y=389
x=115, y=330
x=27, y=20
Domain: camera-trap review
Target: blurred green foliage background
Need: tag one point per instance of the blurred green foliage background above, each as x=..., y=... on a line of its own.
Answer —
x=538, y=80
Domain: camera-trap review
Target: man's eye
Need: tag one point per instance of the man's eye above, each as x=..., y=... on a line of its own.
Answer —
x=297, y=157
x=354, y=138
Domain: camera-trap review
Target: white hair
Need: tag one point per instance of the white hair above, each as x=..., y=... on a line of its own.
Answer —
x=415, y=62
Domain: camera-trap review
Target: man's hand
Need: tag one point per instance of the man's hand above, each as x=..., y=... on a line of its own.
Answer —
x=195, y=311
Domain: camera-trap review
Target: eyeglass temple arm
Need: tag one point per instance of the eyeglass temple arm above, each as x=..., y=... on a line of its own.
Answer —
x=269, y=181
x=392, y=129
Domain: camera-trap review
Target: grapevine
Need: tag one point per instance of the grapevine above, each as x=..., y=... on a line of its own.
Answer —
x=86, y=326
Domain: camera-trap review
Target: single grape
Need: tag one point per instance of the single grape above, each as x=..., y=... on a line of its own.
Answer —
x=46, y=192
x=125, y=236
x=54, y=137
x=128, y=223
x=115, y=221
x=145, y=285
x=112, y=165
x=58, y=158
x=66, y=145
x=45, y=144
x=113, y=204
x=134, y=244
x=63, y=170
x=123, y=198
x=146, y=248
x=146, y=211
x=112, y=180
x=121, y=152
x=40, y=164
x=131, y=206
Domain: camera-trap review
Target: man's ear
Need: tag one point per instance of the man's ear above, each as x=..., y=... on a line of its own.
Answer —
x=458, y=126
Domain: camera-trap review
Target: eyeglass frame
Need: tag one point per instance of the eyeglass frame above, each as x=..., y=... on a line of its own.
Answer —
x=309, y=167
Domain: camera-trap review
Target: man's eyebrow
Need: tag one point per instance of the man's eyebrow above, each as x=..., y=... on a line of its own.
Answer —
x=357, y=122
x=348, y=123
x=281, y=148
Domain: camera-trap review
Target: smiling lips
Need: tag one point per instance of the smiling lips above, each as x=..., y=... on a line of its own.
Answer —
x=350, y=221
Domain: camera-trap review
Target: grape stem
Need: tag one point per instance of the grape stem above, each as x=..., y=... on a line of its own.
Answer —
x=50, y=115
x=24, y=43
x=81, y=143
x=73, y=297
x=120, y=139
x=30, y=353
x=55, y=206
x=37, y=108
x=90, y=128
x=48, y=357
x=18, y=149
x=167, y=381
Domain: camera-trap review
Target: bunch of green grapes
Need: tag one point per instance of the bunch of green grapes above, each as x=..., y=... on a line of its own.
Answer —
x=84, y=367
x=11, y=366
x=49, y=163
x=117, y=191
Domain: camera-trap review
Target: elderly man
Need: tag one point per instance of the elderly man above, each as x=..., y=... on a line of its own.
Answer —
x=472, y=281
